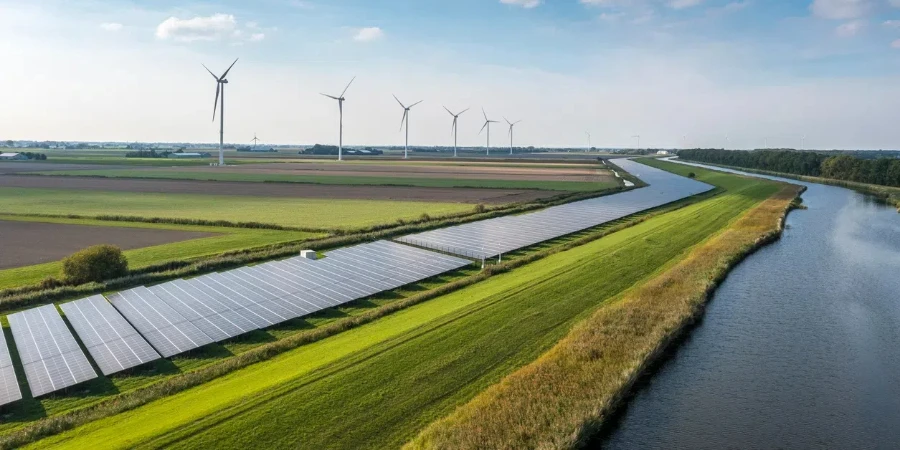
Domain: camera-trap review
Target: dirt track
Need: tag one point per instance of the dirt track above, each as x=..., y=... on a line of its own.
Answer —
x=406, y=193
x=27, y=243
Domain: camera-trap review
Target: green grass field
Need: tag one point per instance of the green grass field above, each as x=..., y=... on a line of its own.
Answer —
x=229, y=239
x=293, y=212
x=340, y=180
x=378, y=385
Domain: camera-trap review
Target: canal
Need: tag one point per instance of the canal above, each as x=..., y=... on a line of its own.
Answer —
x=799, y=348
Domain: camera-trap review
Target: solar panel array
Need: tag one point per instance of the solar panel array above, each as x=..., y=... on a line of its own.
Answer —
x=492, y=237
x=112, y=342
x=182, y=315
x=48, y=351
x=9, y=386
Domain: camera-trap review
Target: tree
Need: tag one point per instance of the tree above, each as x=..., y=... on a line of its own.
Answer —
x=97, y=263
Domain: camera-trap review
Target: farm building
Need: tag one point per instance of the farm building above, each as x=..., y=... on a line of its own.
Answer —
x=13, y=156
x=662, y=152
x=188, y=155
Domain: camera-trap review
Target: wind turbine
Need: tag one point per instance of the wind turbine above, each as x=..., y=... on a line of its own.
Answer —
x=511, y=125
x=487, y=124
x=405, y=119
x=589, y=141
x=255, y=140
x=726, y=141
x=638, y=140
x=340, y=99
x=220, y=88
x=802, y=141
x=453, y=128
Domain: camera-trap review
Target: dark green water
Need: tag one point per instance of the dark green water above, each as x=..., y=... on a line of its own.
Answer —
x=800, y=347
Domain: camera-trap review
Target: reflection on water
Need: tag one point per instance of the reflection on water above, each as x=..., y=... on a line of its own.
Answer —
x=800, y=348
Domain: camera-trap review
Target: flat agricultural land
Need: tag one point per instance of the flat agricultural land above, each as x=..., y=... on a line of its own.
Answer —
x=281, y=190
x=418, y=364
x=9, y=167
x=27, y=243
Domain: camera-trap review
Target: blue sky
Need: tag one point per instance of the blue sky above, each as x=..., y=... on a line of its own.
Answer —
x=677, y=72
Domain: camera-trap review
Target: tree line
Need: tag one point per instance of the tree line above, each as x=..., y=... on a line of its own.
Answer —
x=881, y=171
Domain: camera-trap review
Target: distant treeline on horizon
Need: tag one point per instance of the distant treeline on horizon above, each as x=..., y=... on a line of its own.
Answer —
x=847, y=166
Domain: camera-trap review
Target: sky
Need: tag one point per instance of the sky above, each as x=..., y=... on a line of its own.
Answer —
x=679, y=73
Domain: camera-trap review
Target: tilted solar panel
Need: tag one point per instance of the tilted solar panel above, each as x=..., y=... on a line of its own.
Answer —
x=9, y=385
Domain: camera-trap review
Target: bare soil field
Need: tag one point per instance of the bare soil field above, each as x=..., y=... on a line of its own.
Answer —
x=580, y=174
x=27, y=243
x=401, y=193
x=8, y=167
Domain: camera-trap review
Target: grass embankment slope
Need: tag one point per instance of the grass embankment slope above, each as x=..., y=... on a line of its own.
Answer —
x=559, y=400
x=210, y=175
x=228, y=239
x=291, y=212
x=379, y=384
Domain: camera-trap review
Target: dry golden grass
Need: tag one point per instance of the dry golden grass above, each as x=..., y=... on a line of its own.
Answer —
x=562, y=398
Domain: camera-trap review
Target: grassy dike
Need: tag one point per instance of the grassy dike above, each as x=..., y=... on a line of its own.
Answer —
x=562, y=398
x=378, y=384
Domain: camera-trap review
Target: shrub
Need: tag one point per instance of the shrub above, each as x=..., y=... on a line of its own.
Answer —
x=97, y=263
x=692, y=175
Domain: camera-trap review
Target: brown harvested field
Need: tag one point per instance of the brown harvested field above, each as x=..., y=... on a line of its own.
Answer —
x=464, y=172
x=27, y=243
x=401, y=193
x=9, y=167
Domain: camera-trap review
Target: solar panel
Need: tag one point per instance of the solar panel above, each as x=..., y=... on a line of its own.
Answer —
x=491, y=237
x=50, y=356
x=9, y=386
x=112, y=342
x=166, y=330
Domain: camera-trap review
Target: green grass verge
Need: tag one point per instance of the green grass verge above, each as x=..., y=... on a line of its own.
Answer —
x=229, y=239
x=377, y=385
x=212, y=175
x=293, y=212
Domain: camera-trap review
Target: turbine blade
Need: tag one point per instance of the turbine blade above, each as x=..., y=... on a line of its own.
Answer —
x=329, y=96
x=484, y=126
x=463, y=111
x=507, y=120
x=398, y=101
x=403, y=119
x=229, y=69
x=445, y=108
x=453, y=127
x=416, y=103
x=348, y=86
x=485, y=114
x=210, y=72
x=216, y=104
x=516, y=122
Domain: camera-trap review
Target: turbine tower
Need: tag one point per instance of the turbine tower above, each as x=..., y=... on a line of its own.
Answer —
x=802, y=141
x=453, y=127
x=340, y=99
x=220, y=89
x=638, y=140
x=255, y=140
x=487, y=124
x=589, y=141
x=511, y=125
x=405, y=119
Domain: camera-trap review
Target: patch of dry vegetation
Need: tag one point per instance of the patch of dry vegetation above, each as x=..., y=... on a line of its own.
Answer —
x=562, y=398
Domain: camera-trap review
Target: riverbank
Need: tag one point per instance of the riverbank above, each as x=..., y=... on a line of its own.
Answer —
x=889, y=194
x=565, y=396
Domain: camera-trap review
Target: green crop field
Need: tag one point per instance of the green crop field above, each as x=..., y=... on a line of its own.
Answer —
x=377, y=385
x=229, y=239
x=293, y=212
x=576, y=186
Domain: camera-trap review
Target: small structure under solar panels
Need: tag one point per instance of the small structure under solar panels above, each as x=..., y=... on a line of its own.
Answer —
x=493, y=237
x=166, y=330
x=9, y=385
x=112, y=342
x=48, y=351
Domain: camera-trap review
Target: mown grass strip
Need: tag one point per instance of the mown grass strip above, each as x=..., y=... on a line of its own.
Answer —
x=562, y=398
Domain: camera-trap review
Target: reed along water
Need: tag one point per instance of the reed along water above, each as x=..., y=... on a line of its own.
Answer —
x=799, y=347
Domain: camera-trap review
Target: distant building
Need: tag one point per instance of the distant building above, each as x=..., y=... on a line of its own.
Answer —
x=662, y=152
x=13, y=156
x=189, y=155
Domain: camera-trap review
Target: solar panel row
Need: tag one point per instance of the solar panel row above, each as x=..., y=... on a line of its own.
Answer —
x=9, y=386
x=492, y=237
x=182, y=315
x=48, y=351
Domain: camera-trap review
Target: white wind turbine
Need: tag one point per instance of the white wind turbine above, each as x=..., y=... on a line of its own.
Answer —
x=220, y=89
x=340, y=99
x=487, y=124
x=511, y=125
x=589, y=140
x=405, y=119
x=638, y=140
x=453, y=128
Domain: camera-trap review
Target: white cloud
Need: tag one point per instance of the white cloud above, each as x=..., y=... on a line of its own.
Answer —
x=368, y=34
x=256, y=37
x=211, y=28
x=895, y=44
x=681, y=4
x=736, y=6
x=892, y=23
x=841, y=9
x=850, y=29
x=527, y=4
x=111, y=26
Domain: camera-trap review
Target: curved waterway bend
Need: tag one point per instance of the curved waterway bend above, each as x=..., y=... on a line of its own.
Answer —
x=800, y=348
